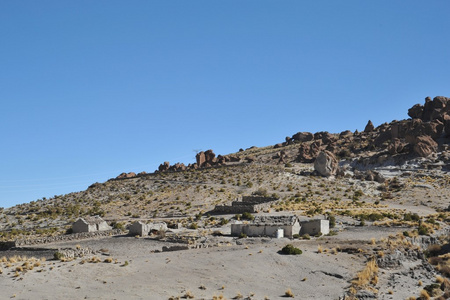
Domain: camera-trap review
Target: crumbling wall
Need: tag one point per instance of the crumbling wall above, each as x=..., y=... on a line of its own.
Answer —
x=67, y=237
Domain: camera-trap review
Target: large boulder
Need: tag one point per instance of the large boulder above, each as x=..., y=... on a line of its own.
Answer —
x=396, y=146
x=324, y=136
x=164, y=167
x=424, y=146
x=126, y=175
x=307, y=153
x=447, y=125
x=369, y=127
x=303, y=137
x=416, y=111
x=326, y=163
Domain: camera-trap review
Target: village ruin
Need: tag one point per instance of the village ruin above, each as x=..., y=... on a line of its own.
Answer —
x=280, y=226
x=251, y=204
x=90, y=224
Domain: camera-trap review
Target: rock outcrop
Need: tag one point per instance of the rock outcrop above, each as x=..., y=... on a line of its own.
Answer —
x=303, y=137
x=205, y=159
x=326, y=164
x=424, y=146
x=126, y=175
x=369, y=127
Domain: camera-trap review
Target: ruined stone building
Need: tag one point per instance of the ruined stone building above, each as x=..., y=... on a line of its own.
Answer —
x=272, y=226
x=90, y=224
x=280, y=226
x=251, y=204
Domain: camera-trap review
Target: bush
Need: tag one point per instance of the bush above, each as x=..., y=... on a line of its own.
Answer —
x=58, y=255
x=332, y=220
x=306, y=236
x=247, y=216
x=193, y=226
x=423, y=230
x=291, y=250
x=242, y=235
x=118, y=225
x=411, y=217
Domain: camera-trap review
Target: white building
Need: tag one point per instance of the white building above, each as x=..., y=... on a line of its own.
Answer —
x=272, y=226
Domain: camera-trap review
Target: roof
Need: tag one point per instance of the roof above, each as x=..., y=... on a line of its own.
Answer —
x=92, y=220
x=275, y=220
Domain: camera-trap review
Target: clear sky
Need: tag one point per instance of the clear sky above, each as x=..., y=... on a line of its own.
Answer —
x=90, y=89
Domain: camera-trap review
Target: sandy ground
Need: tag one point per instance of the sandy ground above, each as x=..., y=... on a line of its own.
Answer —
x=254, y=268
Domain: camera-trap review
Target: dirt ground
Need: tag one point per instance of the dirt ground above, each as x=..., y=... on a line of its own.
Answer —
x=252, y=269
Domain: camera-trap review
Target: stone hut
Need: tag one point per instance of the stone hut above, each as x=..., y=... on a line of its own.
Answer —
x=143, y=229
x=139, y=228
x=272, y=226
x=314, y=227
x=90, y=224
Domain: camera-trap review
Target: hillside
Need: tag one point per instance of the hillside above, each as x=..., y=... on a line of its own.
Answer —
x=384, y=193
x=398, y=163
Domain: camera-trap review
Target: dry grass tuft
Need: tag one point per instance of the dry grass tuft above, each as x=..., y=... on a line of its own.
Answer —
x=424, y=295
x=289, y=293
x=188, y=295
x=238, y=296
x=319, y=249
x=367, y=275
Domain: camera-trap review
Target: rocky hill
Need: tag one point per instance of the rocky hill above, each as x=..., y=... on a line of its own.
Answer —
x=398, y=163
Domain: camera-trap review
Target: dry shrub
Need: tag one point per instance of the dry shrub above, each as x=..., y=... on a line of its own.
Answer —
x=367, y=274
x=289, y=293
x=424, y=295
x=319, y=249
x=108, y=260
x=188, y=295
x=238, y=296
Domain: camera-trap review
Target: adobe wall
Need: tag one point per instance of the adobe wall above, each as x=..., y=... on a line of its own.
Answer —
x=67, y=237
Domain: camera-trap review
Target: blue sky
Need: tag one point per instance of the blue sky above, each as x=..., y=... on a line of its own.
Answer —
x=90, y=89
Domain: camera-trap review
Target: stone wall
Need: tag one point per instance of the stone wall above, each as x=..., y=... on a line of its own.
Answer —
x=257, y=199
x=64, y=238
x=251, y=204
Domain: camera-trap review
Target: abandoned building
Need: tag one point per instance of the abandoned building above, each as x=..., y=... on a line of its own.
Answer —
x=143, y=229
x=280, y=226
x=315, y=227
x=90, y=224
x=251, y=204
x=139, y=228
x=273, y=226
